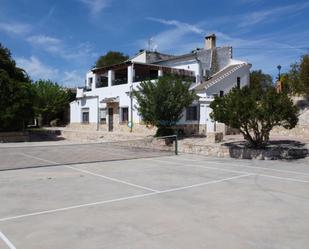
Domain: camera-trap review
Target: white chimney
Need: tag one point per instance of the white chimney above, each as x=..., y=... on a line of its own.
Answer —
x=210, y=42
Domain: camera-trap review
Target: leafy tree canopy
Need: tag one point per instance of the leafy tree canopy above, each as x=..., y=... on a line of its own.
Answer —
x=304, y=74
x=111, y=58
x=255, y=111
x=296, y=81
x=51, y=100
x=161, y=103
x=16, y=94
x=259, y=79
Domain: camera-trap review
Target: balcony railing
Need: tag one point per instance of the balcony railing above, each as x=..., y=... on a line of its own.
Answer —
x=139, y=78
x=119, y=81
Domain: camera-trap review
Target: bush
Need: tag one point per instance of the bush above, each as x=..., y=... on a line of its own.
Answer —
x=161, y=103
x=255, y=112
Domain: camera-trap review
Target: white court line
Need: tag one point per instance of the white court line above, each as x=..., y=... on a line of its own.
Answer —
x=204, y=183
x=232, y=171
x=6, y=241
x=284, y=178
x=256, y=167
x=112, y=179
x=198, y=166
x=37, y=158
x=121, y=199
x=94, y=174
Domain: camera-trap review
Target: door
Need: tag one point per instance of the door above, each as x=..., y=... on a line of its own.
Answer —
x=110, y=119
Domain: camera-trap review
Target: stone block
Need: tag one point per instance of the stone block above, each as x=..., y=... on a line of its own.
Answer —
x=214, y=137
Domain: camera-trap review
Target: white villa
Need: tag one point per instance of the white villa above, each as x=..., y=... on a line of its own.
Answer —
x=105, y=102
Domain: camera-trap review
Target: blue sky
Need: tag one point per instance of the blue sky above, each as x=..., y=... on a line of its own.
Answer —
x=61, y=40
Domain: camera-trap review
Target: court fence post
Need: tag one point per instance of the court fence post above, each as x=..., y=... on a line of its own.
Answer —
x=176, y=145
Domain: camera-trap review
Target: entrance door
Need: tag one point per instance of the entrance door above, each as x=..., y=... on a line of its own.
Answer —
x=110, y=119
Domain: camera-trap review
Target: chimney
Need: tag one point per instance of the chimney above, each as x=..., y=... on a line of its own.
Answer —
x=210, y=42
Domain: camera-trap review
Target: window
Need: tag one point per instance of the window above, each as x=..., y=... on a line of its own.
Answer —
x=238, y=82
x=191, y=113
x=102, y=82
x=90, y=80
x=221, y=93
x=103, y=116
x=124, y=111
x=85, y=115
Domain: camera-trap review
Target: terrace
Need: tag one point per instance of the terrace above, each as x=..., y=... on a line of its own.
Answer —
x=128, y=72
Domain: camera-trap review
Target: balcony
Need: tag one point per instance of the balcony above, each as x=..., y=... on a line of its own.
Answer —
x=102, y=82
x=119, y=81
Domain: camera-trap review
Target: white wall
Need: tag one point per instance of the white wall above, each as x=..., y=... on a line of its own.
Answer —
x=90, y=74
x=75, y=112
x=140, y=57
x=189, y=64
x=118, y=91
x=77, y=106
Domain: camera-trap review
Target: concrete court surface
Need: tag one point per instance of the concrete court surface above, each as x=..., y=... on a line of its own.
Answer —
x=175, y=202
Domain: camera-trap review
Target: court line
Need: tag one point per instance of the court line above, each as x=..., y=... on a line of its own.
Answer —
x=121, y=199
x=256, y=167
x=112, y=179
x=204, y=183
x=284, y=178
x=6, y=241
x=198, y=166
x=231, y=171
x=37, y=158
x=94, y=174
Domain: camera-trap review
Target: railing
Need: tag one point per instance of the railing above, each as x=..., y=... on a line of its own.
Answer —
x=139, y=78
x=117, y=82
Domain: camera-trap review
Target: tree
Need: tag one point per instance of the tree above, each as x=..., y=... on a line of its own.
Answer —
x=255, y=112
x=111, y=58
x=16, y=94
x=161, y=103
x=296, y=81
x=259, y=79
x=51, y=100
x=304, y=74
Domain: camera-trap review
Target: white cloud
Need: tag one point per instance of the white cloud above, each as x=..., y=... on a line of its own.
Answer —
x=47, y=43
x=257, y=17
x=36, y=69
x=178, y=24
x=15, y=28
x=73, y=78
x=176, y=39
x=96, y=6
x=58, y=47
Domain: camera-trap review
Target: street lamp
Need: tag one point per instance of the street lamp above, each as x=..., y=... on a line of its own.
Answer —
x=279, y=74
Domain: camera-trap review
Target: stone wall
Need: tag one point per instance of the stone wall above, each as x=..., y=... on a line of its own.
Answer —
x=240, y=151
x=82, y=127
x=11, y=137
x=300, y=131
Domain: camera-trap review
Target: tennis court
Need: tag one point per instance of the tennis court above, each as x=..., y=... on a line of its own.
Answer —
x=154, y=200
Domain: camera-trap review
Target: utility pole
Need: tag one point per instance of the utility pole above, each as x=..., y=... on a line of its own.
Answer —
x=131, y=109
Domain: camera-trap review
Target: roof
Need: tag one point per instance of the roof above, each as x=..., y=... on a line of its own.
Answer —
x=177, y=57
x=225, y=72
x=152, y=56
